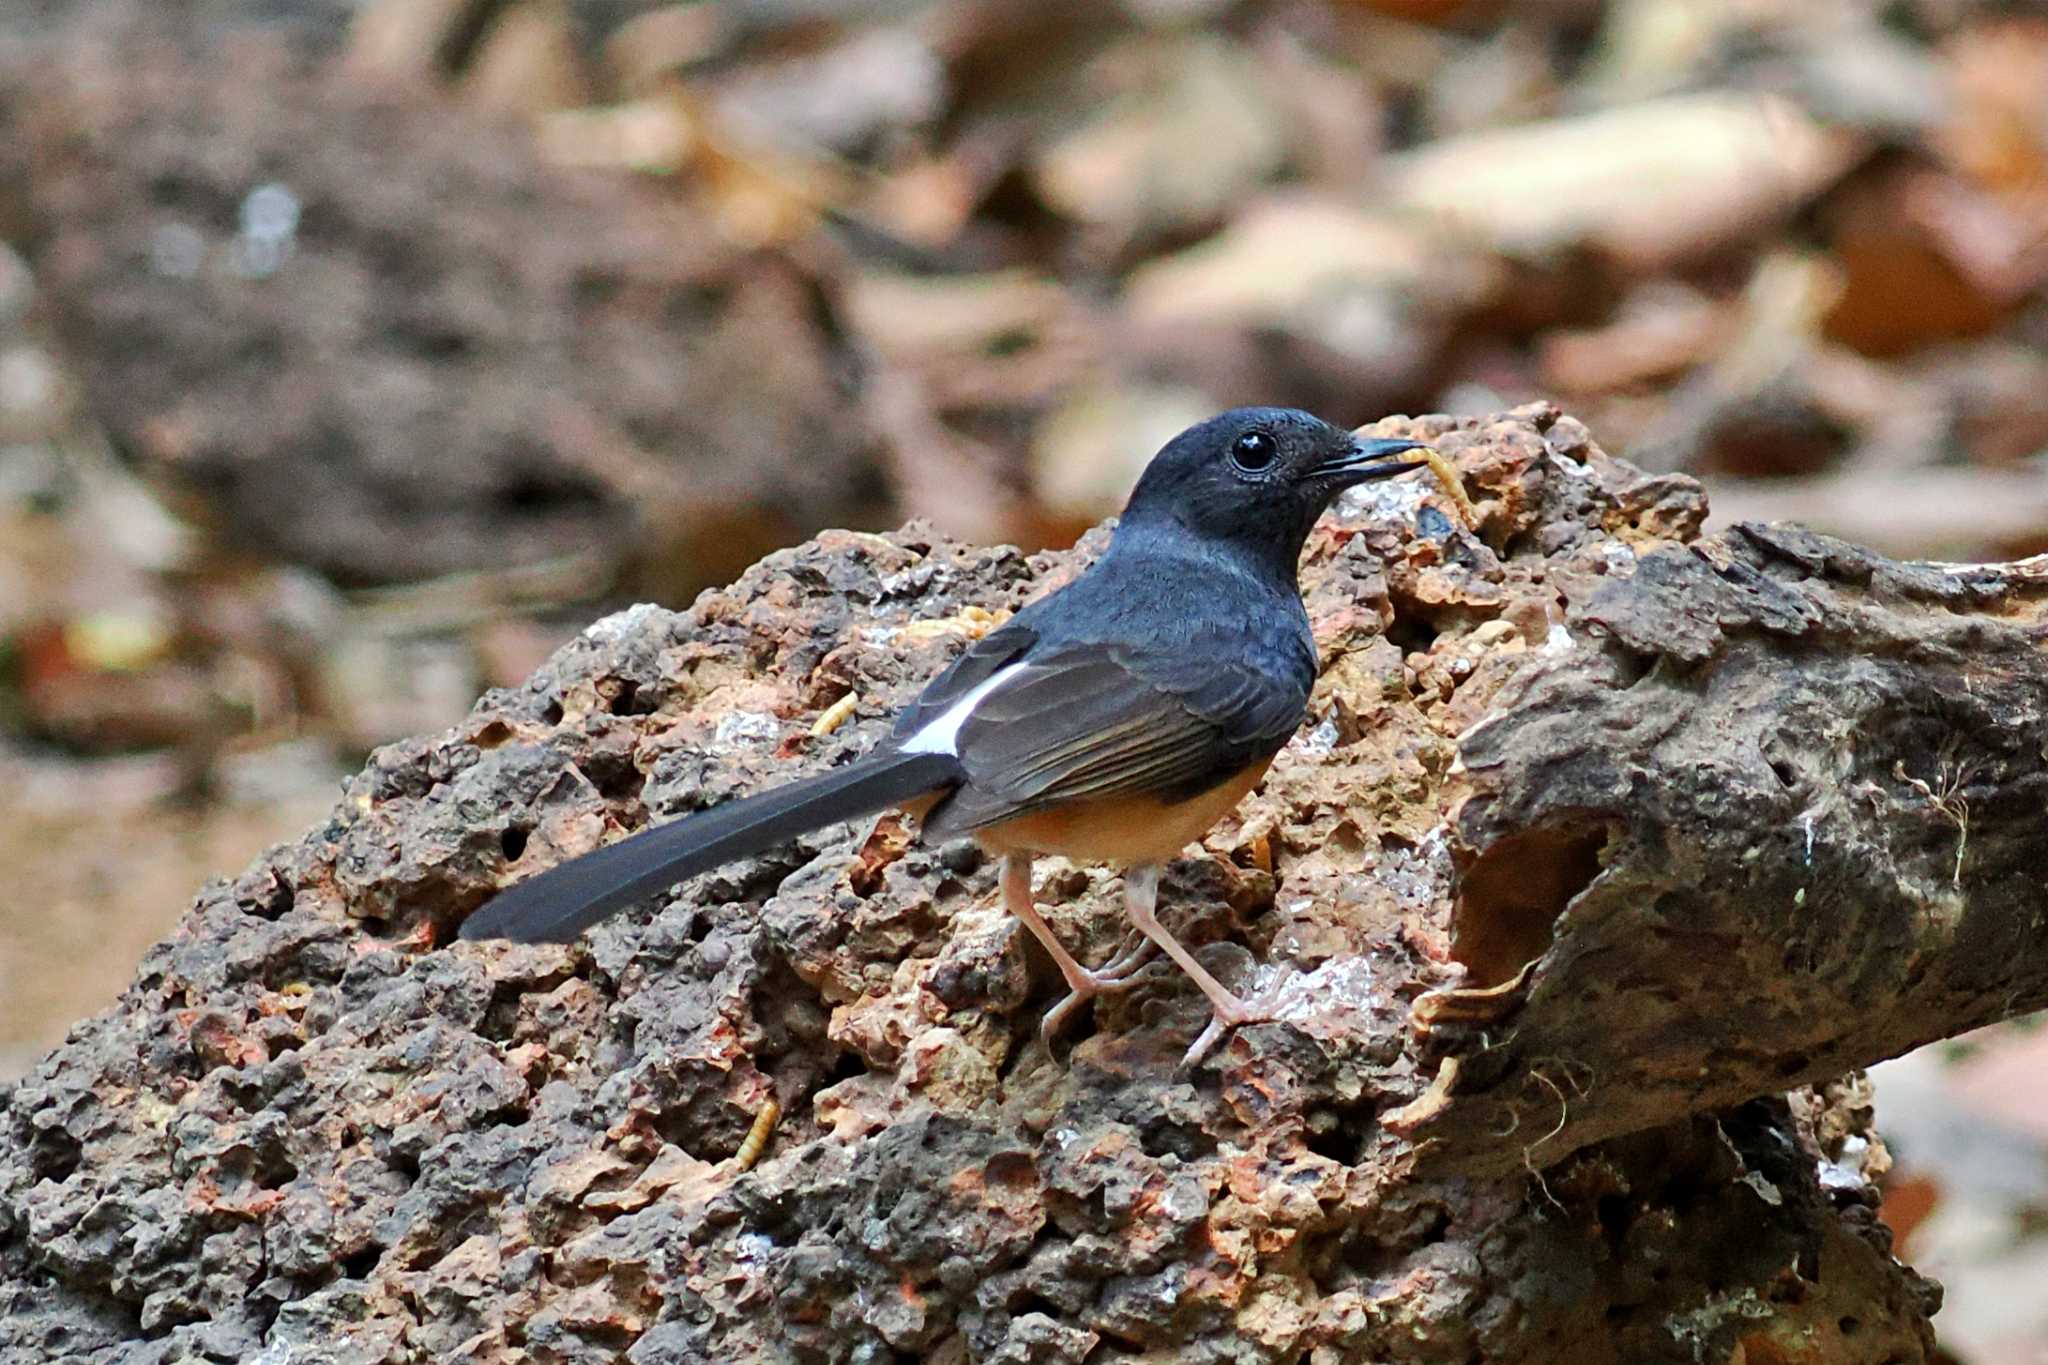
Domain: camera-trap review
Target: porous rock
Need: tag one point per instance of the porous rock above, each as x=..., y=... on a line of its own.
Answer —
x=317, y=1125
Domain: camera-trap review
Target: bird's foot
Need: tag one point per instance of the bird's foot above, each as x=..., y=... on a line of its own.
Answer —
x=1120, y=973
x=1228, y=1011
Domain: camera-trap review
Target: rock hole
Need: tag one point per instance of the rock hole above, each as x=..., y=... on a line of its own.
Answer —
x=1412, y=634
x=551, y=714
x=501, y=1016
x=611, y=1337
x=1849, y=1326
x=627, y=701
x=1031, y=1301
x=1134, y=1347
x=1775, y=748
x=1631, y=666
x=508, y=1115
x=274, y=1169
x=615, y=776
x=1364, y=1256
x=495, y=735
x=244, y=1089
x=962, y=856
x=512, y=842
x=1510, y=897
x=1339, y=1136
x=271, y=902
x=1164, y=1137
x=357, y=1265
x=54, y=1155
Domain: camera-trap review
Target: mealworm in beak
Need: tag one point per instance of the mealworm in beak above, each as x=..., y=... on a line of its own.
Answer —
x=1453, y=485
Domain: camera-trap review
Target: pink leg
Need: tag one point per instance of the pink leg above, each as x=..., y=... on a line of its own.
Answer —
x=1141, y=901
x=1083, y=984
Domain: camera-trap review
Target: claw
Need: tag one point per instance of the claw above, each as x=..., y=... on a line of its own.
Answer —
x=1054, y=1021
x=1204, y=1041
x=1221, y=1021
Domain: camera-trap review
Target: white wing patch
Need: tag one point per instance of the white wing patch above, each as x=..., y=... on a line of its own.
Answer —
x=941, y=734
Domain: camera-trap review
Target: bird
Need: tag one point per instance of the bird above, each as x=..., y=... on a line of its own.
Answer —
x=1113, y=720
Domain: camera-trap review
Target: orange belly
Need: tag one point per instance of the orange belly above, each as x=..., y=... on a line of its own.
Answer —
x=1125, y=830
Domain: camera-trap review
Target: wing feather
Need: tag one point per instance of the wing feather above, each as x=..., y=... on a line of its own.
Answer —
x=975, y=666
x=1091, y=720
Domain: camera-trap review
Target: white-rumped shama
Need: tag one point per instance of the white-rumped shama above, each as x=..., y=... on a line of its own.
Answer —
x=1114, y=720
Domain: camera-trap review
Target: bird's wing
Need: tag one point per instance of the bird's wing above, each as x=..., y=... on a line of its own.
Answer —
x=981, y=661
x=1088, y=721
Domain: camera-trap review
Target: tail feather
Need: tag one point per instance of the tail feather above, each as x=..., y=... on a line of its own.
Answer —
x=563, y=901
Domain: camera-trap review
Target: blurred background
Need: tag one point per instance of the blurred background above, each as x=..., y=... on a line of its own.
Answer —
x=353, y=353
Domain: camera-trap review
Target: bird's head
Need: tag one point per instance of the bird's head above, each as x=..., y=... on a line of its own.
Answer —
x=1257, y=478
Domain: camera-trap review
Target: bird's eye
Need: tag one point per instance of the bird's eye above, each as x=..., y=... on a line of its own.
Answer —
x=1254, y=451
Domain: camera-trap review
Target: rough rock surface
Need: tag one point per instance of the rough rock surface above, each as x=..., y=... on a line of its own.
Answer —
x=1791, y=816
x=317, y=1129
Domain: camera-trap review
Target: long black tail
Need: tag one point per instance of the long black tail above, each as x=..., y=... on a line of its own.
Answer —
x=563, y=901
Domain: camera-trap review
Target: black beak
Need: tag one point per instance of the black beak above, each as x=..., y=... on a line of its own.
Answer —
x=1367, y=459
